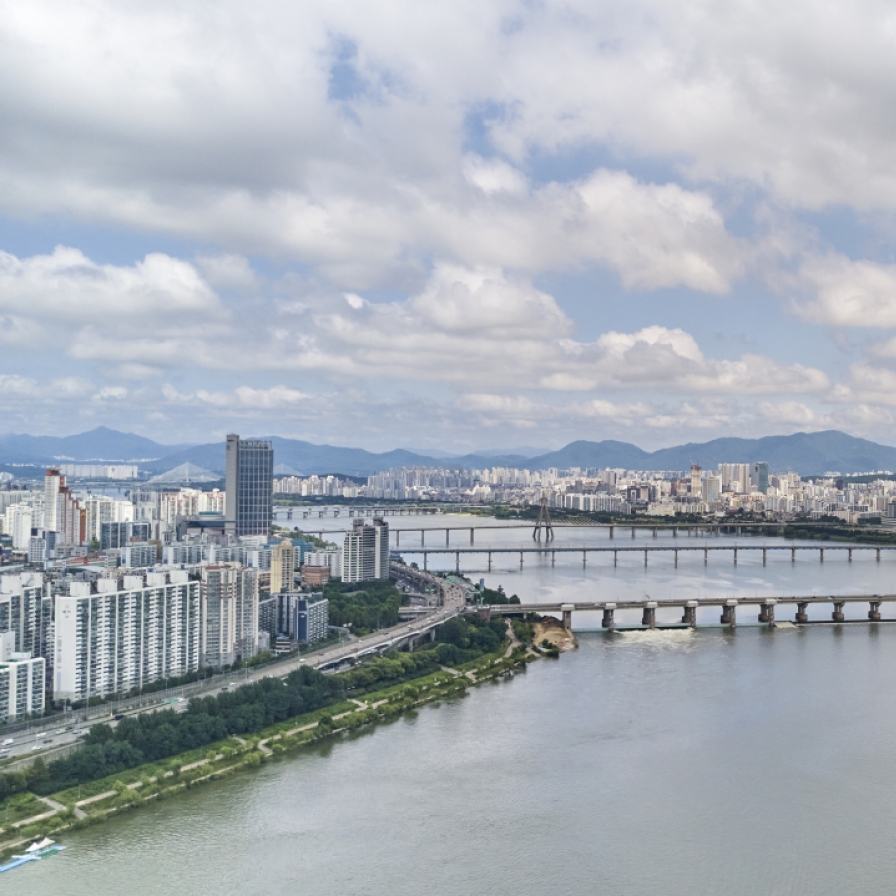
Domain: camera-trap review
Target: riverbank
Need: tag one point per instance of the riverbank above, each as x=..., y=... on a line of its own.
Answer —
x=100, y=800
x=552, y=630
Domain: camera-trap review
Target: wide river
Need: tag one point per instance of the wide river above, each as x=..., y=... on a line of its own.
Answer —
x=709, y=762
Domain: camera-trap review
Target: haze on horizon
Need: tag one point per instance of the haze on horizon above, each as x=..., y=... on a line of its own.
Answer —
x=456, y=226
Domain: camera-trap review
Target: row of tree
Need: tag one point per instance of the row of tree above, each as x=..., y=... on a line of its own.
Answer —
x=363, y=607
x=155, y=736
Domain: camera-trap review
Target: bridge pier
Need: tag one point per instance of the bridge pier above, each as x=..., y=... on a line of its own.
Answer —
x=615, y=557
x=878, y=555
x=689, y=616
x=611, y=531
x=645, y=556
x=398, y=538
x=801, y=614
x=457, y=561
x=705, y=554
x=767, y=612
x=874, y=610
x=849, y=555
x=821, y=555
x=676, y=558
x=489, y=561
x=837, y=615
x=793, y=555
x=654, y=531
x=447, y=533
x=425, y=558
x=608, y=620
x=553, y=556
x=633, y=531
x=567, y=609
x=472, y=531
x=764, y=552
x=521, y=559
x=422, y=537
x=729, y=613
x=735, y=556
x=648, y=617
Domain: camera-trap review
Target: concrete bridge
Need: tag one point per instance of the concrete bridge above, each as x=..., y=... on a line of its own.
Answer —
x=544, y=551
x=766, y=607
x=694, y=529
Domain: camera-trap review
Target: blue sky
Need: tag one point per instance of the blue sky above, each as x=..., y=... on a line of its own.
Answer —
x=460, y=226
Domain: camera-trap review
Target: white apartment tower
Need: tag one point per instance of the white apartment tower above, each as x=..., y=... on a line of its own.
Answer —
x=365, y=552
x=124, y=638
x=229, y=614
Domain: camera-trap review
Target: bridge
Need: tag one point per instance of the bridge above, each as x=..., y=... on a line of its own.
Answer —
x=695, y=529
x=551, y=551
x=729, y=607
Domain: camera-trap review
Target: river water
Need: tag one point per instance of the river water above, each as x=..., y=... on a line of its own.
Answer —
x=708, y=762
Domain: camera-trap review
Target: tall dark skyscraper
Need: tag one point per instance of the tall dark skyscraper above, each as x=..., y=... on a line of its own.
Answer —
x=249, y=484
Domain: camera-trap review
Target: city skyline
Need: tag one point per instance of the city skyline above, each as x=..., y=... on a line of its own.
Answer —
x=395, y=234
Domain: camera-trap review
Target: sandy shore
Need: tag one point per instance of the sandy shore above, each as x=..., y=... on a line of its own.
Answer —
x=552, y=630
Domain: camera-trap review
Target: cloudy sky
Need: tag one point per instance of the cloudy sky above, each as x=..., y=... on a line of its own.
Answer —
x=475, y=224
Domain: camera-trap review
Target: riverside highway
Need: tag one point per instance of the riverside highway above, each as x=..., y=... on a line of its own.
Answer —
x=52, y=737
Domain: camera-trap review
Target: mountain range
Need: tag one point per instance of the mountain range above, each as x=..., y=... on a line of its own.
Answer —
x=806, y=453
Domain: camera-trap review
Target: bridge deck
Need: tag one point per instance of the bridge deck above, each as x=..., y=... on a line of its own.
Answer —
x=678, y=603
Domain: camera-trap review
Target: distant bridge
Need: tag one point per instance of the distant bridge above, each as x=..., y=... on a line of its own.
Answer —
x=543, y=551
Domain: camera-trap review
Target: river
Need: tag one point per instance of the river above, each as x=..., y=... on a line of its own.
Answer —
x=708, y=762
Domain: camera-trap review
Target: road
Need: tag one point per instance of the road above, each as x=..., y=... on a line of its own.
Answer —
x=49, y=736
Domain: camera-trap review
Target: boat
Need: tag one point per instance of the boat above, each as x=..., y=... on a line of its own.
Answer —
x=34, y=853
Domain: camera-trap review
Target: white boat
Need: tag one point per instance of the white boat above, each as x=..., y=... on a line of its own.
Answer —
x=40, y=845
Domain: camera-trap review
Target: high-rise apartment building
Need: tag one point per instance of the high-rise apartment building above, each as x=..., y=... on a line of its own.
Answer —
x=696, y=481
x=62, y=513
x=124, y=638
x=249, y=484
x=759, y=476
x=303, y=617
x=365, y=552
x=22, y=681
x=229, y=614
x=283, y=566
x=26, y=610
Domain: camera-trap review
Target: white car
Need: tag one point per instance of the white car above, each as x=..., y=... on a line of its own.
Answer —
x=8, y=741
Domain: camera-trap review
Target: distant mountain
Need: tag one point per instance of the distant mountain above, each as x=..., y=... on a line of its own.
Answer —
x=101, y=443
x=519, y=451
x=805, y=453
x=594, y=454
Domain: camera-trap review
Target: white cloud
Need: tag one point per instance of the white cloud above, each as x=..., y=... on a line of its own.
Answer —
x=69, y=286
x=241, y=397
x=849, y=293
x=228, y=271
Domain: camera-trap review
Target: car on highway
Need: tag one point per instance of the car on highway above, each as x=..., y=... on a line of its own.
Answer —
x=41, y=734
x=37, y=747
x=4, y=751
x=8, y=741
